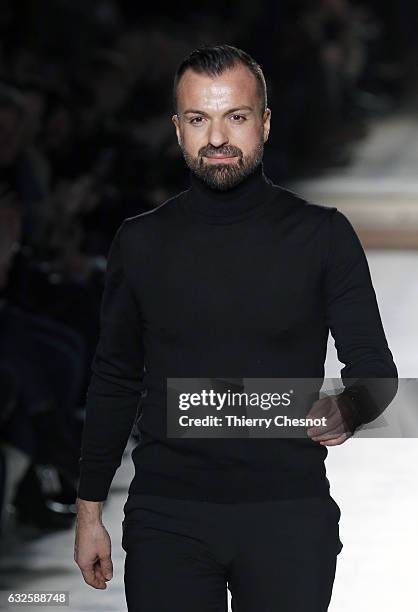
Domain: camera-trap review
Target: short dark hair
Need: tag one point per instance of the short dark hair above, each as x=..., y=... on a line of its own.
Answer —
x=214, y=60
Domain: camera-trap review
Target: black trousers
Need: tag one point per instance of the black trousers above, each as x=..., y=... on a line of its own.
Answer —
x=273, y=556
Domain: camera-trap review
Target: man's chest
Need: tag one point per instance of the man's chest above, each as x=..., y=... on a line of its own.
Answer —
x=259, y=286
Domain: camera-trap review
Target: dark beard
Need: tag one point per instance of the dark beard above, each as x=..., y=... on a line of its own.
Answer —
x=225, y=176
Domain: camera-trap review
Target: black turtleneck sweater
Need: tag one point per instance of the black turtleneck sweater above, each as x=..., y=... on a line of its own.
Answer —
x=239, y=283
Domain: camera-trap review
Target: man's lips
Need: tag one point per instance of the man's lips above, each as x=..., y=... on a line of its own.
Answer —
x=220, y=156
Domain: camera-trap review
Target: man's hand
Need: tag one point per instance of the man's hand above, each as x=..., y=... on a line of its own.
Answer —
x=92, y=550
x=339, y=420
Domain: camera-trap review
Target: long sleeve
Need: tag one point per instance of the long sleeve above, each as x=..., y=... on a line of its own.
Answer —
x=369, y=375
x=116, y=385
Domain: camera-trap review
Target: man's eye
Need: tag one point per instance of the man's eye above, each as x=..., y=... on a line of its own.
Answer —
x=193, y=120
x=238, y=118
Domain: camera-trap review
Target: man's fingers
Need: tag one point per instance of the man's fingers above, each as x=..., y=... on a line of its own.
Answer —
x=106, y=566
x=336, y=441
x=333, y=426
x=93, y=577
x=337, y=421
x=320, y=433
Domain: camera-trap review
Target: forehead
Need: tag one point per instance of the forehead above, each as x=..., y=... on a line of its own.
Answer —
x=234, y=87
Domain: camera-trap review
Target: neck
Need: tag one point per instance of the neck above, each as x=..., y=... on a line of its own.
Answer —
x=223, y=206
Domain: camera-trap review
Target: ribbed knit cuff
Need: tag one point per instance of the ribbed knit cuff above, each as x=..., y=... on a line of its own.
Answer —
x=94, y=486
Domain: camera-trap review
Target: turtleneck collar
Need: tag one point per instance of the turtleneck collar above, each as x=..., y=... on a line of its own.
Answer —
x=217, y=206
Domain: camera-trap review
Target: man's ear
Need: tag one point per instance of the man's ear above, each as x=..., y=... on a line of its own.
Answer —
x=266, y=123
x=175, y=120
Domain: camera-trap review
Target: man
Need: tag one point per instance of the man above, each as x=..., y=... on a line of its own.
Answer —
x=239, y=277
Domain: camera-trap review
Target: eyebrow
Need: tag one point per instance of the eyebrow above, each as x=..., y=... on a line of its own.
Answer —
x=231, y=110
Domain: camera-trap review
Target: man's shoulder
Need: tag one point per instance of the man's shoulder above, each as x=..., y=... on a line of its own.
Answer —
x=158, y=213
x=160, y=216
x=307, y=208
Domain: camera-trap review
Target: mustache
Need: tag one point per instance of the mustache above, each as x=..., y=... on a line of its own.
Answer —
x=225, y=151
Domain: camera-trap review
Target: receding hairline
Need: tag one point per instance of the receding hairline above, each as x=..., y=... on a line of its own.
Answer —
x=214, y=75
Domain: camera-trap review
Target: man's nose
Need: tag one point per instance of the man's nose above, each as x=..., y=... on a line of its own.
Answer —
x=217, y=135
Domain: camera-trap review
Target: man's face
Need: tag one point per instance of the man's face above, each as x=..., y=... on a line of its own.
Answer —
x=220, y=126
